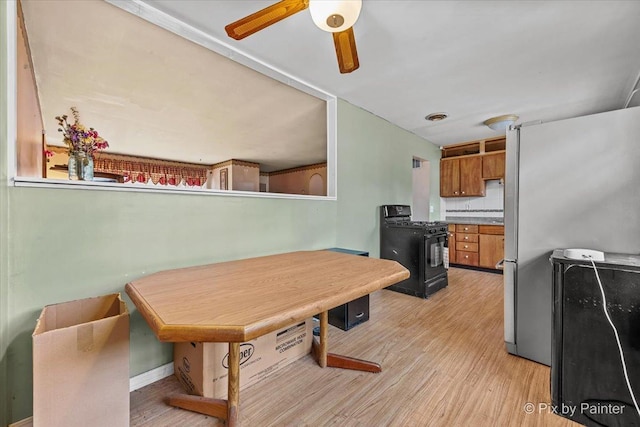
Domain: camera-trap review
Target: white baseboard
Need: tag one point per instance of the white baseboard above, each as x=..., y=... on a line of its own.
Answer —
x=150, y=377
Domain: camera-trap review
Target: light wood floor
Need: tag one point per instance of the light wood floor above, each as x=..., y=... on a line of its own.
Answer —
x=443, y=359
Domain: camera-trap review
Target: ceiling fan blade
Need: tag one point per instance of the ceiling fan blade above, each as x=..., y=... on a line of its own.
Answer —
x=345, y=43
x=263, y=18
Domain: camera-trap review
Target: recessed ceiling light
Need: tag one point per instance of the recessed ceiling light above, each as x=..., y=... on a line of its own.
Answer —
x=436, y=117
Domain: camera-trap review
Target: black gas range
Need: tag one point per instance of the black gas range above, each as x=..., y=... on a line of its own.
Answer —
x=418, y=245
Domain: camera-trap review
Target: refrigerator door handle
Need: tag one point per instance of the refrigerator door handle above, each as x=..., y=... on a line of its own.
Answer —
x=510, y=267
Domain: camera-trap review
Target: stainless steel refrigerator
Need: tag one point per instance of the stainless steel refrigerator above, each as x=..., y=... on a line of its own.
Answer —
x=571, y=183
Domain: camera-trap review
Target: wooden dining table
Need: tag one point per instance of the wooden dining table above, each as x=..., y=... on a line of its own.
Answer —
x=237, y=301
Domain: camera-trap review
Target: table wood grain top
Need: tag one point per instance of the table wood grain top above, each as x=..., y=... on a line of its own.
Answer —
x=237, y=301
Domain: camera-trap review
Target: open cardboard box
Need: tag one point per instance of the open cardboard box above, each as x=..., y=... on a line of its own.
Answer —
x=81, y=364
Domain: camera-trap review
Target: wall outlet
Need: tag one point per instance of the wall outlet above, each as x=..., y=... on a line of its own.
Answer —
x=431, y=210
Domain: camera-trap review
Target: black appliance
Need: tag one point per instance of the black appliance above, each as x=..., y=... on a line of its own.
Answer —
x=355, y=312
x=417, y=245
x=587, y=378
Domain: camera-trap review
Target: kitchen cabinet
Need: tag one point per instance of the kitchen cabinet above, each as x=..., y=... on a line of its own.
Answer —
x=467, y=244
x=467, y=228
x=491, y=250
x=493, y=165
x=467, y=258
x=461, y=177
x=452, y=243
x=471, y=183
x=449, y=177
x=476, y=245
x=491, y=245
x=465, y=167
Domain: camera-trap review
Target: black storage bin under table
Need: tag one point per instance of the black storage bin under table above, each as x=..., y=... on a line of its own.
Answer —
x=348, y=315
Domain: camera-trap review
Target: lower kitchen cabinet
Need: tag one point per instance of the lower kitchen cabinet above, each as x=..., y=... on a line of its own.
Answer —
x=476, y=245
x=467, y=244
x=466, y=247
x=451, y=242
x=467, y=258
x=491, y=250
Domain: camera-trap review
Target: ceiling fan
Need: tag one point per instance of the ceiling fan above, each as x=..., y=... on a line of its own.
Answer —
x=334, y=16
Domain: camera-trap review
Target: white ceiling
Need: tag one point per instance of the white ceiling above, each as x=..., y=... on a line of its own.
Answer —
x=541, y=60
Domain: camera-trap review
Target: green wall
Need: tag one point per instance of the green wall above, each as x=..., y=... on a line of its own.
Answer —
x=374, y=168
x=58, y=245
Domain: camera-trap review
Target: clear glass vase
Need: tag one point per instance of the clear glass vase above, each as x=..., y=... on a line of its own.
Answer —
x=80, y=166
x=87, y=169
x=72, y=166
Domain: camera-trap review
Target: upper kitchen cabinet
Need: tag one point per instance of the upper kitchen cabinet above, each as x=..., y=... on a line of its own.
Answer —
x=471, y=183
x=461, y=177
x=465, y=167
x=493, y=165
x=449, y=177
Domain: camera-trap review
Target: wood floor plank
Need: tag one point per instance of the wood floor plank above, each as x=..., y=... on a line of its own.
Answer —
x=443, y=359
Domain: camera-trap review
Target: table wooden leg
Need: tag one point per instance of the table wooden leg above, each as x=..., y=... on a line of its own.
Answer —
x=202, y=405
x=219, y=408
x=324, y=333
x=336, y=360
x=233, y=396
x=346, y=362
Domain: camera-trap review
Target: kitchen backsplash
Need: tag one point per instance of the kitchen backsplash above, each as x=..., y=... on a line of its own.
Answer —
x=492, y=205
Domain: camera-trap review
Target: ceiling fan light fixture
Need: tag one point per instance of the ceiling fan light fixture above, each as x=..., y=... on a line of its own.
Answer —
x=335, y=15
x=501, y=123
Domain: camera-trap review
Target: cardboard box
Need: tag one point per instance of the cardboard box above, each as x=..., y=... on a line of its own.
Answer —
x=202, y=368
x=81, y=364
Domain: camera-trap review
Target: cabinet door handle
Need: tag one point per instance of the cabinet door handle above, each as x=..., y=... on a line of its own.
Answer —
x=466, y=229
x=466, y=237
x=466, y=256
x=466, y=246
x=463, y=192
x=455, y=192
x=359, y=315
